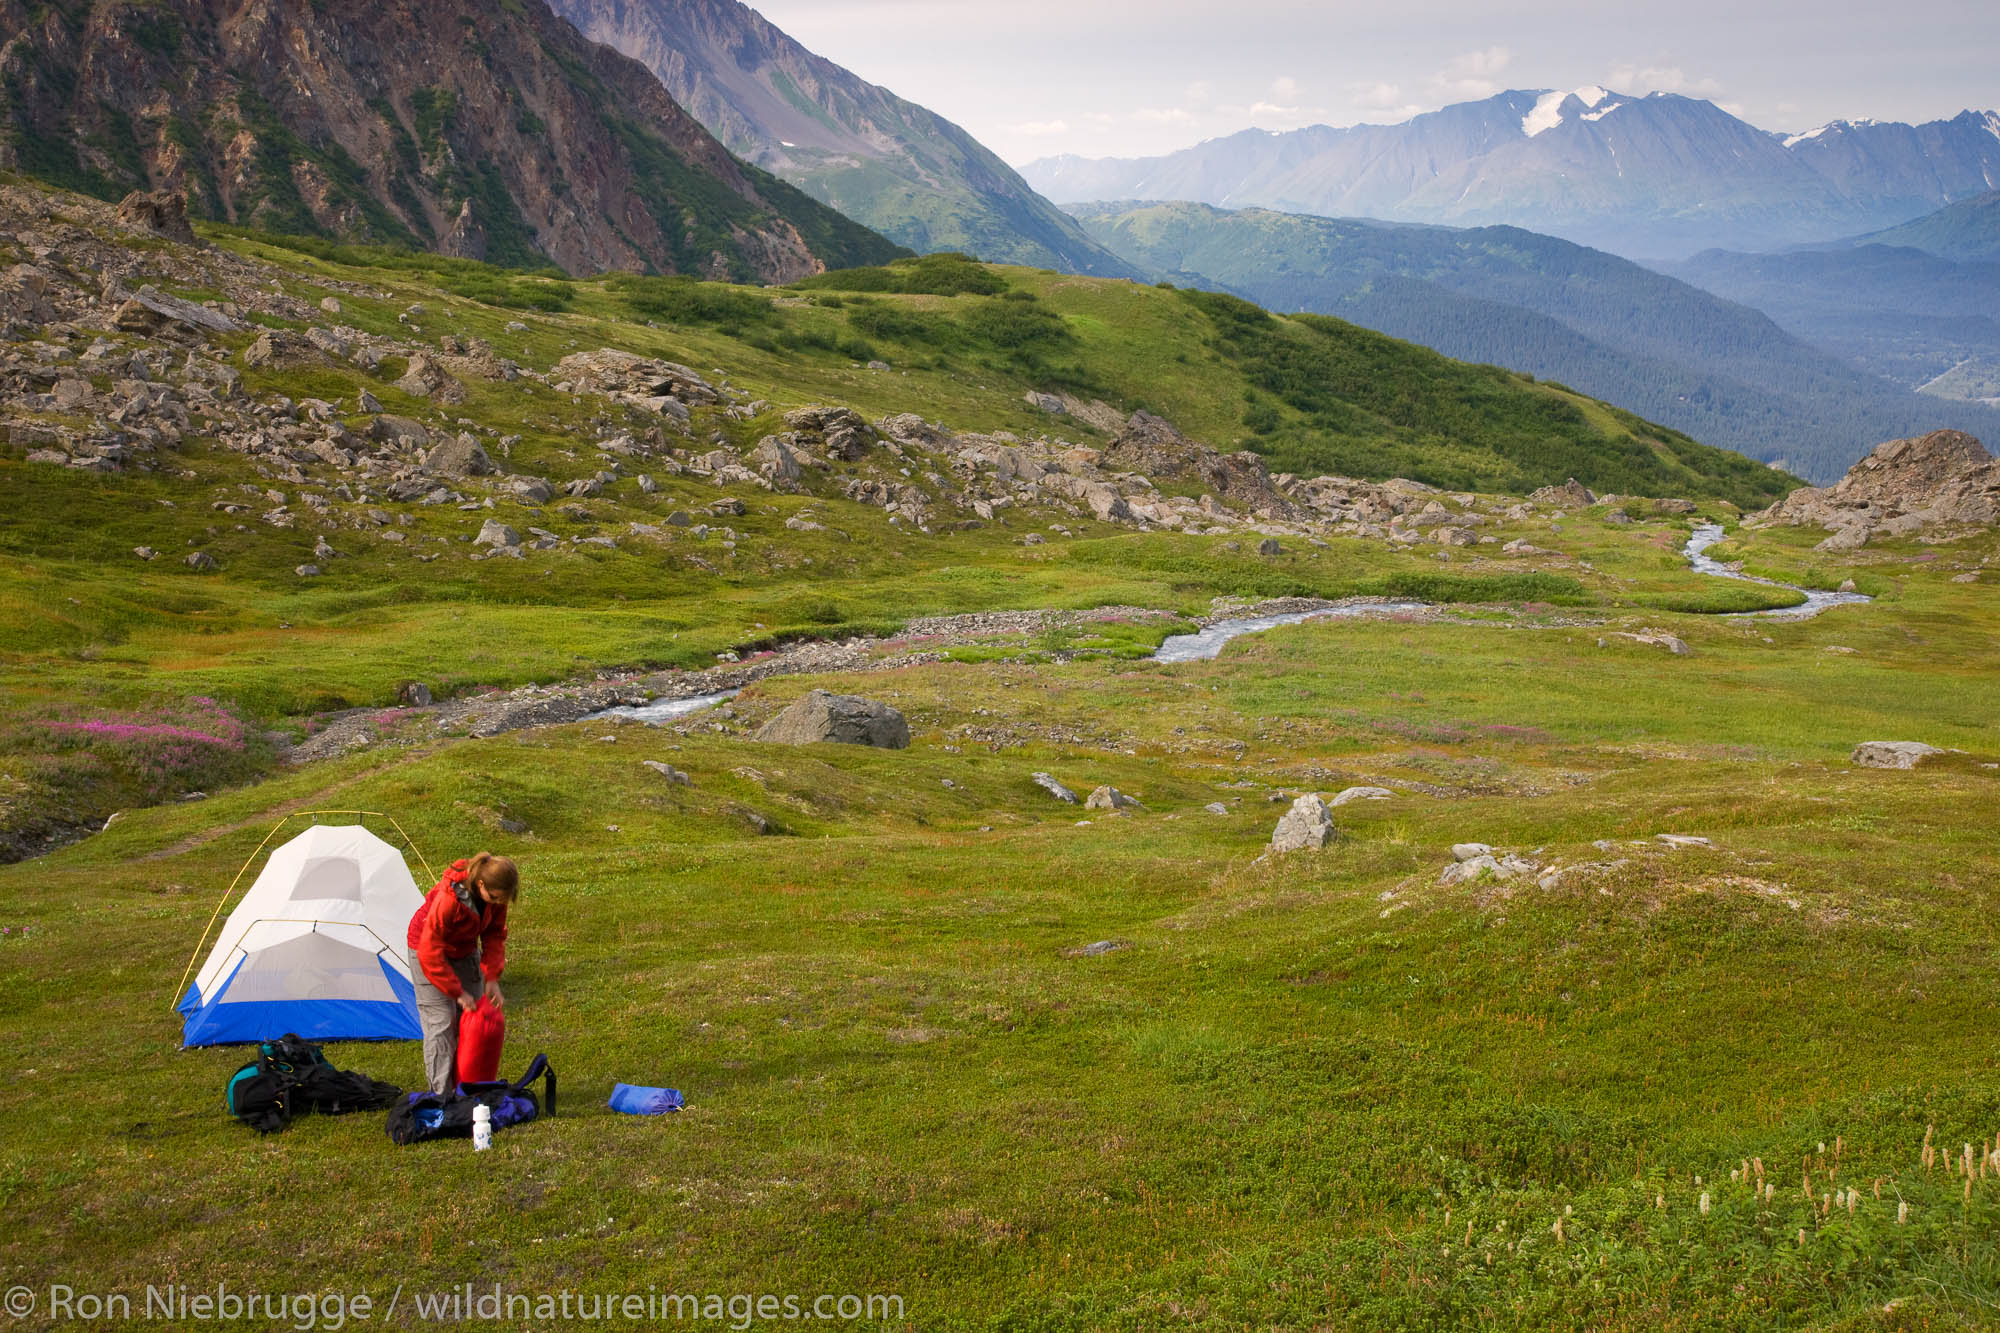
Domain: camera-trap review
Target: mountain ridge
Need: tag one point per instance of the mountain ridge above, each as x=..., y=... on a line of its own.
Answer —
x=880, y=159
x=1660, y=176
x=1722, y=372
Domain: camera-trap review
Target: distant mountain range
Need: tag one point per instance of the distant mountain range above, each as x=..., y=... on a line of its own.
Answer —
x=484, y=128
x=1657, y=177
x=1918, y=303
x=907, y=172
x=1667, y=350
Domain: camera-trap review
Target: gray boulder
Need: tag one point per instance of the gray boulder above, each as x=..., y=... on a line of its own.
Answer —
x=496, y=534
x=391, y=429
x=460, y=456
x=1307, y=826
x=1891, y=754
x=673, y=775
x=1110, y=798
x=845, y=719
x=1362, y=794
x=1048, y=784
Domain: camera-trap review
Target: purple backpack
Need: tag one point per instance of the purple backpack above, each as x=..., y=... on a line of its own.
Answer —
x=430, y=1115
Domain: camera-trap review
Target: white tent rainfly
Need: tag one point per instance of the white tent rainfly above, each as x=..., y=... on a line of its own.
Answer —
x=316, y=948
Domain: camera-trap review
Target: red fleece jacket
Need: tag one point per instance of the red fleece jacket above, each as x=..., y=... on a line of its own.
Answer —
x=452, y=921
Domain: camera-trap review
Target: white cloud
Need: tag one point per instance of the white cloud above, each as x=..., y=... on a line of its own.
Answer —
x=1163, y=115
x=1633, y=79
x=1285, y=88
x=1474, y=74
x=1378, y=96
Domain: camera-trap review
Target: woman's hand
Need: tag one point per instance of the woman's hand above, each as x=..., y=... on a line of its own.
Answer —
x=493, y=995
x=466, y=1001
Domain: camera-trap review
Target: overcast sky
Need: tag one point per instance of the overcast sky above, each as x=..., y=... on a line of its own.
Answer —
x=1125, y=78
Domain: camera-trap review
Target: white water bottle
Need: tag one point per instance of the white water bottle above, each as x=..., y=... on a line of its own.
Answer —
x=482, y=1127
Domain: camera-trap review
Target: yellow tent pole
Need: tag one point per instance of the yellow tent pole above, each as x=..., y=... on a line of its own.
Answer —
x=296, y=814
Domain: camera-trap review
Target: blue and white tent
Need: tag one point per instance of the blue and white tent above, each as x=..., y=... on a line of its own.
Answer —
x=316, y=947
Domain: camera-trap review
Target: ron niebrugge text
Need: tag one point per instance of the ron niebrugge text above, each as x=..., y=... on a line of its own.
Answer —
x=332, y=1311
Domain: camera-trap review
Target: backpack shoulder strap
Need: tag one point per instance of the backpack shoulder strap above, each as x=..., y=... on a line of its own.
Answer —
x=539, y=1067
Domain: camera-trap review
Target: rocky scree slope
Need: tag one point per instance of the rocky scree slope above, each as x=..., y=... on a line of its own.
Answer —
x=481, y=128
x=886, y=162
x=103, y=371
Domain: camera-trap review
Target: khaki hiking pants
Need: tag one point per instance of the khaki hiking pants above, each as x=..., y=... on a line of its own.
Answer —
x=437, y=1015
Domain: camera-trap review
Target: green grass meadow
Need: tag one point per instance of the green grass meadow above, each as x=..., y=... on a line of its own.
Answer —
x=1021, y=1065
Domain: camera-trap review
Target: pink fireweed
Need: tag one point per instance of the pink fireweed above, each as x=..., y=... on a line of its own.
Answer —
x=135, y=731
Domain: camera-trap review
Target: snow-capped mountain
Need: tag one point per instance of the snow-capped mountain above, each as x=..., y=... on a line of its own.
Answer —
x=1658, y=176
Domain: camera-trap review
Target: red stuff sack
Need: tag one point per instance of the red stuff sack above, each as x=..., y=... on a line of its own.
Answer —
x=482, y=1031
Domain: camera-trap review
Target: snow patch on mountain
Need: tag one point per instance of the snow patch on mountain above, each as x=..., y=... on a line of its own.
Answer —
x=1546, y=115
x=1551, y=107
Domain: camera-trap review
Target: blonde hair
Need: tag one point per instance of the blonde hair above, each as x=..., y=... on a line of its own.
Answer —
x=495, y=874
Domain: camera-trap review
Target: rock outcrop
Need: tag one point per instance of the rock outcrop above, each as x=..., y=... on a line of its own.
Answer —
x=381, y=120
x=1903, y=487
x=1307, y=826
x=846, y=719
x=1891, y=754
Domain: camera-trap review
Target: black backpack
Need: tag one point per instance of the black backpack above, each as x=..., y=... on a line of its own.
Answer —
x=421, y=1116
x=290, y=1076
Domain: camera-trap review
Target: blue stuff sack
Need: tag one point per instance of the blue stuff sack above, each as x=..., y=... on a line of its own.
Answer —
x=644, y=1101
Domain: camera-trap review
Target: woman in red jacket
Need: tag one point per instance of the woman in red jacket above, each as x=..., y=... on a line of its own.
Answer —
x=458, y=948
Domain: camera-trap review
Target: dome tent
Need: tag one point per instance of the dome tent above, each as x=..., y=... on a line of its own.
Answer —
x=314, y=948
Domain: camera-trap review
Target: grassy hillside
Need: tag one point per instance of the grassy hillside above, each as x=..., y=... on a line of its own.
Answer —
x=1004, y=1062
x=1722, y=372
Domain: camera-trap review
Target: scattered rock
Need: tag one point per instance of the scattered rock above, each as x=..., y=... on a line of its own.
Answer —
x=1891, y=754
x=1467, y=851
x=1110, y=798
x=204, y=562
x=162, y=212
x=414, y=694
x=399, y=430
x=1307, y=826
x=1485, y=865
x=461, y=456
x=1683, y=840
x=1216, y=808
x=1270, y=546
x=425, y=378
x=1572, y=494
x=496, y=534
x=1097, y=949
x=673, y=775
x=1656, y=639
x=1046, y=402
x=845, y=719
x=1055, y=789
x=1362, y=794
